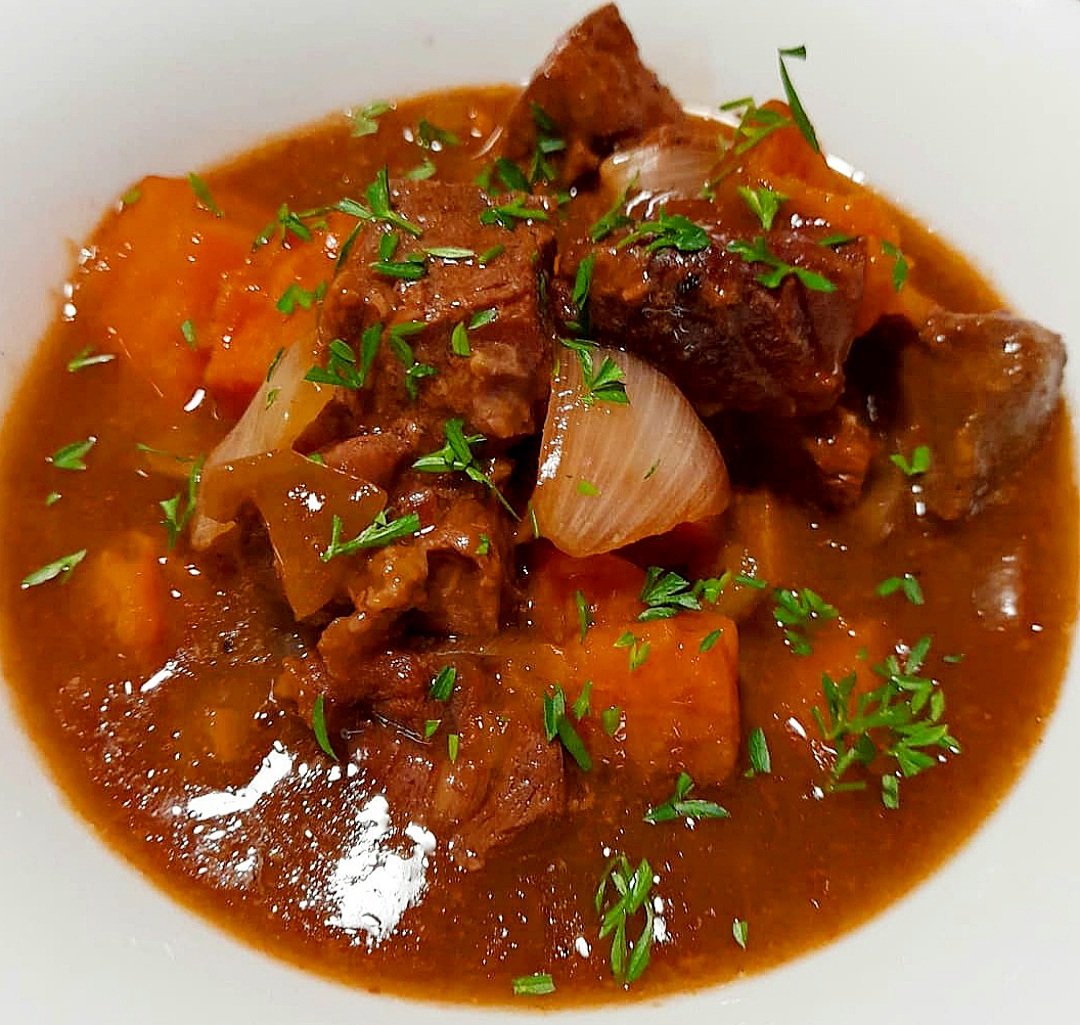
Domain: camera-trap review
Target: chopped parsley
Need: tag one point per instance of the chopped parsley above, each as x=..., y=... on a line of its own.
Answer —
x=637, y=650
x=414, y=370
x=900, y=264
x=431, y=726
x=584, y=616
x=796, y=611
x=179, y=509
x=460, y=344
x=666, y=594
x=377, y=534
x=432, y=137
x=798, y=113
x=286, y=222
x=52, y=498
x=580, y=707
x=341, y=369
x=70, y=457
x=365, y=120
x=757, y=748
x=600, y=384
x=59, y=568
x=758, y=251
x=740, y=931
x=616, y=217
x=131, y=197
x=424, y=170
x=453, y=746
x=763, y=203
x=295, y=295
x=708, y=642
x=548, y=143
x=668, y=231
x=484, y=545
x=442, y=686
x=536, y=985
x=456, y=456
x=508, y=214
x=88, y=358
x=511, y=175
x=679, y=805
x=900, y=720
x=318, y=727
x=203, y=195
x=580, y=295
x=187, y=329
x=610, y=718
x=918, y=464
x=908, y=584
x=629, y=895
x=587, y=489
x=557, y=724
x=488, y=255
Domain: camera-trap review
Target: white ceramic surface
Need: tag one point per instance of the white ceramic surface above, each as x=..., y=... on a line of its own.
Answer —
x=964, y=111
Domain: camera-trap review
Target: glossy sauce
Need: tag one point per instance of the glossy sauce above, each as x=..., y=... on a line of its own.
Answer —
x=186, y=767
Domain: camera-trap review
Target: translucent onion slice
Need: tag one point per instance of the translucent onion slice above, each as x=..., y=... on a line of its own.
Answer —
x=275, y=418
x=613, y=474
x=679, y=168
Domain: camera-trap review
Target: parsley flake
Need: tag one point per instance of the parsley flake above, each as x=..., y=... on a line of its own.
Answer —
x=59, y=568
x=758, y=251
x=70, y=457
x=679, y=806
x=377, y=534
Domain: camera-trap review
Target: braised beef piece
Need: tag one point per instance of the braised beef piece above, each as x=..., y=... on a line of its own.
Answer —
x=979, y=390
x=505, y=777
x=727, y=340
x=596, y=92
x=501, y=387
x=450, y=580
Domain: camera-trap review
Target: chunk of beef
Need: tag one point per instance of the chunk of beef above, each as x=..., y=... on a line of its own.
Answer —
x=727, y=340
x=446, y=578
x=595, y=90
x=979, y=390
x=506, y=776
x=500, y=388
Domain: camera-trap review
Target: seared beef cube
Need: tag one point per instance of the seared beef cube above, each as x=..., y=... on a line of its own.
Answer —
x=596, y=92
x=499, y=389
x=727, y=340
x=505, y=776
x=979, y=390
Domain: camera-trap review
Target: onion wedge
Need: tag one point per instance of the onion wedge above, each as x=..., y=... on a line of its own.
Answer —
x=611, y=474
x=282, y=408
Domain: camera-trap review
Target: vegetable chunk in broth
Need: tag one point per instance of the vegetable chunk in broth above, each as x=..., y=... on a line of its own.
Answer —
x=536, y=545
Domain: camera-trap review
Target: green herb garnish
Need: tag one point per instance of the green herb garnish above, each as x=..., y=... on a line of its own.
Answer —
x=377, y=534
x=757, y=748
x=187, y=329
x=603, y=384
x=637, y=650
x=668, y=231
x=508, y=215
x=442, y=686
x=680, y=806
x=908, y=584
x=584, y=616
x=763, y=203
x=432, y=137
x=918, y=464
x=295, y=295
x=60, y=568
x=456, y=456
x=365, y=120
x=900, y=264
x=740, y=931
x=798, y=113
x=318, y=726
x=202, y=194
x=180, y=508
x=557, y=724
x=629, y=895
x=70, y=457
x=88, y=358
x=536, y=985
x=758, y=251
x=796, y=611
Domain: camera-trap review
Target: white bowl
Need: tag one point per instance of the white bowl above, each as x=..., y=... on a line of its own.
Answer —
x=965, y=112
